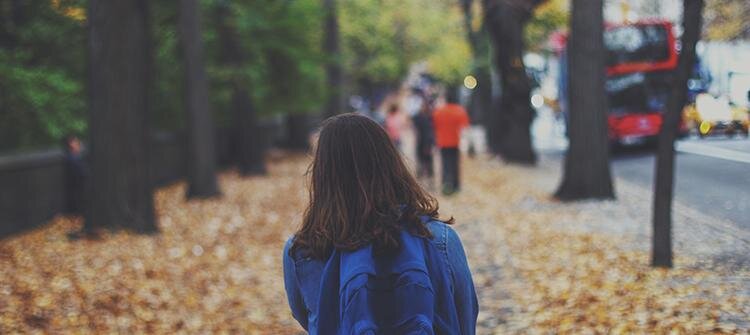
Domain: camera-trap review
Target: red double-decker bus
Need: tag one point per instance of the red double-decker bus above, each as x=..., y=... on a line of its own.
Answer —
x=641, y=59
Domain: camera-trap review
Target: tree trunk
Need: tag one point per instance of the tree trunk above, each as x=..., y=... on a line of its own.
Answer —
x=120, y=192
x=248, y=136
x=202, y=156
x=587, y=171
x=248, y=139
x=331, y=48
x=505, y=21
x=12, y=14
x=481, y=97
x=298, y=128
x=662, y=240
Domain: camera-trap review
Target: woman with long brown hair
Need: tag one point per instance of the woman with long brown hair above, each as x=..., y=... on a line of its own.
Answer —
x=371, y=255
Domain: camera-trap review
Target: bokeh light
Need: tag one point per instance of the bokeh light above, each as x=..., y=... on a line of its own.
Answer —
x=470, y=82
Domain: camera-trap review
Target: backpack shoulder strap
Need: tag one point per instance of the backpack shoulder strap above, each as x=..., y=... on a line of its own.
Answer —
x=411, y=256
x=346, y=273
x=329, y=312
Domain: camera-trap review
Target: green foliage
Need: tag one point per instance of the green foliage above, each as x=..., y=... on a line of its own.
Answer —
x=282, y=60
x=47, y=95
x=382, y=38
x=42, y=69
x=43, y=58
x=551, y=16
x=280, y=42
x=43, y=55
x=451, y=60
x=168, y=103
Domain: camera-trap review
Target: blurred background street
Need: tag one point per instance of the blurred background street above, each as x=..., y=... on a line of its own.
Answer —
x=711, y=173
x=154, y=156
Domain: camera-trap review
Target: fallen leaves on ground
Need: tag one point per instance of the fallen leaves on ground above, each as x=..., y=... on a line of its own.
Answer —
x=559, y=280
x=216, y=267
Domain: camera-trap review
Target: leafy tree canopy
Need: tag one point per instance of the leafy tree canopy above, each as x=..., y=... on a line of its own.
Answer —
x=727, y=20
x=42, y=54
x=550, y=16
x=43, y=57
x=382, y=38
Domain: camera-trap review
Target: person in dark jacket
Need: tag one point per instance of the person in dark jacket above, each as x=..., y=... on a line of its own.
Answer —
x=76, y=173
x=425, y=140
x=362, y=195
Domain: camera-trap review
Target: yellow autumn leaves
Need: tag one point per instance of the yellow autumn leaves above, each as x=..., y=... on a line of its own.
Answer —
x=216, y=267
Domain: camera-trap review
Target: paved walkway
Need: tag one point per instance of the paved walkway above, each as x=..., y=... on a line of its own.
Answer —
x=539, y=266
x=590, y=255
x=542, y=265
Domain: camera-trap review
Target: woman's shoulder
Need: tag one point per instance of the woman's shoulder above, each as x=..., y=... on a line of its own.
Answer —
x=288, y=254
x=296, y=255
x=442, y=234
x=288, y=247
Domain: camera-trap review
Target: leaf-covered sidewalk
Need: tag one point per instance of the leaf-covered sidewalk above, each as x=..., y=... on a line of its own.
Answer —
x=216, y=266
x=541, y=266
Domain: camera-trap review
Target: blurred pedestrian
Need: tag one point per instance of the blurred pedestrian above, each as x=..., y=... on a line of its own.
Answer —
x=75, y=174
x=414, y=101
x=394, y=123
x=371, y=255
x=425, y=140
x=449, y=120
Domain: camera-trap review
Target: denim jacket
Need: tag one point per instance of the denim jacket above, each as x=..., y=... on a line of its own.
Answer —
x=302, y=276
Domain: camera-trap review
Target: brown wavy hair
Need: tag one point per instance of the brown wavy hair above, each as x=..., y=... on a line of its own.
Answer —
x=361, y=192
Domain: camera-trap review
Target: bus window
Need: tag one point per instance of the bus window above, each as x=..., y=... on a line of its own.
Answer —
x=639, y=47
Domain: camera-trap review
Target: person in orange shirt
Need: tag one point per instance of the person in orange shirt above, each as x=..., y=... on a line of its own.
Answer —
x=449, y=120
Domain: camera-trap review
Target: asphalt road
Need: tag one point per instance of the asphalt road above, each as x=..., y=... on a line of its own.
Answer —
x=712, y=175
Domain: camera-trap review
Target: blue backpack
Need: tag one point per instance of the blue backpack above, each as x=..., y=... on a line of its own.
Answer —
x=406, y=293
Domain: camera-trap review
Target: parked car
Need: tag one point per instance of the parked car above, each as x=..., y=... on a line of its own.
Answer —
x=710, y=116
